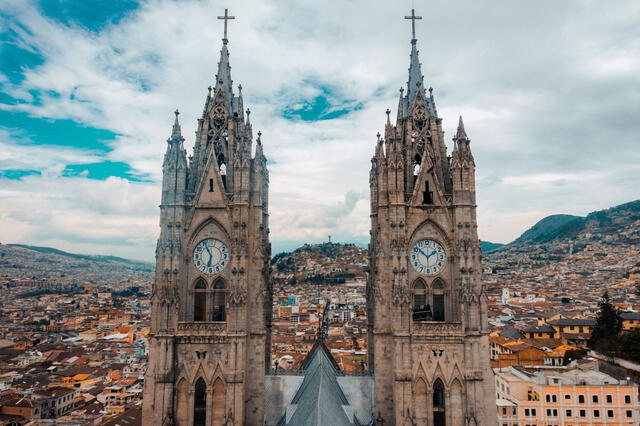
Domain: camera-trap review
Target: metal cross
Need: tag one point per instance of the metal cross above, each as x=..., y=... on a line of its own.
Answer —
x=413, y=18
x=226, y=18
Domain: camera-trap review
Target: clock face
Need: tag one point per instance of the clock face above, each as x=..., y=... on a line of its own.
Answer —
x=210, y=256
x=428, y=257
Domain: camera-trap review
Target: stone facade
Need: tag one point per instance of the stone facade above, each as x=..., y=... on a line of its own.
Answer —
x=428, y=331
x=211, y=312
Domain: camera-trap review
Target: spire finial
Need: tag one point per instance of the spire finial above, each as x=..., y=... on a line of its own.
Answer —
x=461, y=133
x=388, y=111
x=226, y=18
x=248, y=111
x=175, y=132
x=413, y=18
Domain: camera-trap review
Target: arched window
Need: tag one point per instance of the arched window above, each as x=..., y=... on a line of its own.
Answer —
x=421, y=309
x=219, y=299
x=438, y=300
x=439, y=413
x=223, y=174
x=200, y=301
x=200, y=403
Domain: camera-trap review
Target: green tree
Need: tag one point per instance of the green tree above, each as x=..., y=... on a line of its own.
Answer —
x=604, y=337
x=572, y=354
x=631, y=345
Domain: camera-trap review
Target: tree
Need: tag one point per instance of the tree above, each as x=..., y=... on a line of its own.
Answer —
x=608, y=325
x=572, y=354
x=631, y=345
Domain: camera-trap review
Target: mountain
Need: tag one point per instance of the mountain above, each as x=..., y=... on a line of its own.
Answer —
x=563, y=226
x=19, y=262
x=547, y=229
x=487, y=246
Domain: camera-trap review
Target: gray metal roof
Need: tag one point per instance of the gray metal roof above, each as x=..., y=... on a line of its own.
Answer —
x=320, y=399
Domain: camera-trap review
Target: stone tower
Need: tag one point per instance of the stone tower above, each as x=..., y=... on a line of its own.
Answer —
x=428, y=335
x=211, y=303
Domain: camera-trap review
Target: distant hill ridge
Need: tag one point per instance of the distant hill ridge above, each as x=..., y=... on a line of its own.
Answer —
x=92, y=257
x=563, y=226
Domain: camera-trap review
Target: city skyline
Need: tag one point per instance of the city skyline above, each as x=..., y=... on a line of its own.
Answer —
x=87, y=104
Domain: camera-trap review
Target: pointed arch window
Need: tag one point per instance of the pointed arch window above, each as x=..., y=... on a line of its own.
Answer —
x=421, y=309
x=439, y=413
x=219, y=312
x=200, y=300
x=438, y=300
x=200, y=403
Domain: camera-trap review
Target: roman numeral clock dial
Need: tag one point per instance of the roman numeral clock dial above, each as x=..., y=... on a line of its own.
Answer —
x=210, y=256
x=428, y=257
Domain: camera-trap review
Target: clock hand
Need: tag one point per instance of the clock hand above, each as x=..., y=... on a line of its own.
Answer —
x=210, y=256
x=432, y=253
x=423, y=253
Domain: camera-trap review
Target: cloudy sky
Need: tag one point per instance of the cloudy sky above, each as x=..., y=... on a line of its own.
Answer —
x=549, y=91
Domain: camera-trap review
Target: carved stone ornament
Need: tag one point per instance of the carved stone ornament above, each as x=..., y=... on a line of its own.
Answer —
x=420, y=119
x=166, y=296
x=218, y=117
x=401, y=295
x=237, y=296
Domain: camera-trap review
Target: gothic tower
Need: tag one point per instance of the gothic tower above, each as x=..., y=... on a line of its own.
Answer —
x=428, y=333
x=211, y=303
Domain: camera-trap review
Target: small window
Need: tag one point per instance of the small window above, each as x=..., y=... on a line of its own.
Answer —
x=609, y=399
x=629, y=413
x=569, y=413
x=427, y=196
x=596, y=413
x=610, y=413
x=595, y=398
x=581, y=399
x=583, y=413
x=627, y=399
x=567, y=396
x=210, y=185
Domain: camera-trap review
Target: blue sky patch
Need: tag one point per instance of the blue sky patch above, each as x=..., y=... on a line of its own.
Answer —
x=92, y=15
x=57, y=132
x=323, y=107
x=15, y=56
x=101, y=171
x=17, y=174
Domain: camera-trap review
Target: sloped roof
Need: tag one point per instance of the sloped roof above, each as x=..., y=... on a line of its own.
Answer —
x=320, y=399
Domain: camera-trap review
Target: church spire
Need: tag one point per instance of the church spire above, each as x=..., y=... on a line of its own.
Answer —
x=415, y=83
x=176, y=132
x=223, y=77
x=416, y=80
x=461, y=133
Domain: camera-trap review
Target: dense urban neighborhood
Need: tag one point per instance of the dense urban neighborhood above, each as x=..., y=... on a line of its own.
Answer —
x=74, y=328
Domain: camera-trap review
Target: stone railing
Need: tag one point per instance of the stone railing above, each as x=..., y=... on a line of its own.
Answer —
x=201, y=327
x=437, y=328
